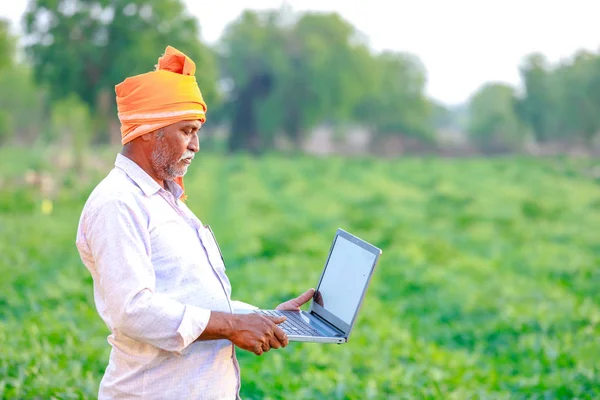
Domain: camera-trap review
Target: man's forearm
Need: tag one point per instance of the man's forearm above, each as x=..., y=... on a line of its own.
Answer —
x=220, y=326
x=252, y=332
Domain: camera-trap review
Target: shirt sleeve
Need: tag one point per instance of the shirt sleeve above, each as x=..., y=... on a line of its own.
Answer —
x=118, y=238
x=240, y=307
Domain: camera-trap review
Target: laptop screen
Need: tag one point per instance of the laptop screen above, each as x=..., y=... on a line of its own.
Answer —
x=344, y=279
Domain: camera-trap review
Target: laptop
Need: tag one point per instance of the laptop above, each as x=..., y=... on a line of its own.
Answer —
x=338, y=296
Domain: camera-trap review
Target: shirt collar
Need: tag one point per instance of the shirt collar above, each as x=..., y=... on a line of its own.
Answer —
x=174, y=188
x=144, y=181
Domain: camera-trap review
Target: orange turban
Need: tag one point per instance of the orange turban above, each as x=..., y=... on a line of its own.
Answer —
x=156, y=99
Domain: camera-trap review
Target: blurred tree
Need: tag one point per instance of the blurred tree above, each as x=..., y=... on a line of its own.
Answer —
x=493, y=123
x=7, y=45
x=22, y=106
x=458, y=115
x=538, y=106
x=88, y=46
x=315, y=68
x=561, y=102
x=442, y=116
x=396, y=102
x=71, y=125
x=290, y=73
x=329, y=72
x=252, y=52
x=579, y=93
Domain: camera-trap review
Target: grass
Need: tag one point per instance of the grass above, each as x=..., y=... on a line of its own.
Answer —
x=487, y=287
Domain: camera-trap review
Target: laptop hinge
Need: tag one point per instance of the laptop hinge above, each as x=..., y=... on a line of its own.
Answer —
x=326, y=322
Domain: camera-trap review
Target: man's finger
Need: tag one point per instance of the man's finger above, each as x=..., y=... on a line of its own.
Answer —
x=295, y=304
x=266, y=347
x=274, y=342
x=277, y=320
x=281, y=336
x=303, y=298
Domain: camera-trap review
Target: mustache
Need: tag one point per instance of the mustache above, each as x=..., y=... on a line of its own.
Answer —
x=188, y=154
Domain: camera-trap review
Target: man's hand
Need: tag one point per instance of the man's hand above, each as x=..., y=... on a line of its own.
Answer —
x=258, y=333
x=253, y=332
x=295, y=304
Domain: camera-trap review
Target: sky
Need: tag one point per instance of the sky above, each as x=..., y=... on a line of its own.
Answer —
x=462, y=43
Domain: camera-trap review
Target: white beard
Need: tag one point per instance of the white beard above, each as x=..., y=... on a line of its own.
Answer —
x=161, y=158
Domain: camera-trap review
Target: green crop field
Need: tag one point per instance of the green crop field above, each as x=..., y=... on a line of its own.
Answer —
x=488, y=286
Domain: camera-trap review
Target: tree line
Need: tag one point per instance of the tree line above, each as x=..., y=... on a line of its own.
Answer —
x=273, y=75
x=558, y=104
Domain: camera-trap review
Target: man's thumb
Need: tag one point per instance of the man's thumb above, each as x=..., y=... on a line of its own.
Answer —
x=278, y=320
x=306, y=296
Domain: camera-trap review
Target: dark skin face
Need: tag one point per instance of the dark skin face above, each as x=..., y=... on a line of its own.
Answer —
x=167, y=152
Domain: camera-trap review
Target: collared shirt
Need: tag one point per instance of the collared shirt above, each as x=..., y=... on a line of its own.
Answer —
x=157, y=275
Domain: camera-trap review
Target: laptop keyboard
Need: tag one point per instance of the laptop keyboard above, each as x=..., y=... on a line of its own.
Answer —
x=294, y=324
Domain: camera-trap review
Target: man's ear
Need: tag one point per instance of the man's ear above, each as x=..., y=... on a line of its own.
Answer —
x=147, y=136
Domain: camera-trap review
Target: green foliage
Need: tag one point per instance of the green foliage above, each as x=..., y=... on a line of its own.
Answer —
x=320, y=72
x=71, y=125
x=251, y=56
x=561, y=101
x=395, y=103
x=442, y=115
x=7, y=45
x=87, y=47
x=6, y=128
x=537, y=107
x=487, y=286
x=579, y=96
x=329, y=68
x=22, y=106
x=277, y=75
x=494, y=125
x=7, y=55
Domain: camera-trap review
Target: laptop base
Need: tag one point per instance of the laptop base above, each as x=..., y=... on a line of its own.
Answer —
x=316, y=339
x=295, y=320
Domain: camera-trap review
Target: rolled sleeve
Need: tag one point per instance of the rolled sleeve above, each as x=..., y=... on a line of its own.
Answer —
x=120, y=244
x=193, y=323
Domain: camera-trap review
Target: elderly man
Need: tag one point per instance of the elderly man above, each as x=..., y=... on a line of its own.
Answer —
x=159, y=280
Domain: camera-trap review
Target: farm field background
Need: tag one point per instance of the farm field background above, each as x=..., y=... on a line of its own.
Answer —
x=487, y=286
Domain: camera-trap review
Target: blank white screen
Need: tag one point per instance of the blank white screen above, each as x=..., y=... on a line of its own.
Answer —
x=345, y=279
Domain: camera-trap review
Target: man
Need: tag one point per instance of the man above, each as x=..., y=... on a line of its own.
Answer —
x=159, y=280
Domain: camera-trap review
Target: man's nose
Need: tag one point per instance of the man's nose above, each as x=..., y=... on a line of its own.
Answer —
x=194, y=144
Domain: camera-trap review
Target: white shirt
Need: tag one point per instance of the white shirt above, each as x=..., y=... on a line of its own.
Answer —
x=157, y=275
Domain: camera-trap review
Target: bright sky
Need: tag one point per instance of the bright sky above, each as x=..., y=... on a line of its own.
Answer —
x=462, y=43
